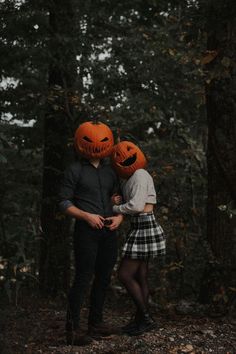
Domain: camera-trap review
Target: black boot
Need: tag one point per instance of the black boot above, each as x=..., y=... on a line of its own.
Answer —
x=77, y=337
x=145, y=324
x=102, y=329
x=132, y=323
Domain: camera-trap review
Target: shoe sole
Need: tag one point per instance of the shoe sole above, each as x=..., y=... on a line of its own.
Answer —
x=100, y=336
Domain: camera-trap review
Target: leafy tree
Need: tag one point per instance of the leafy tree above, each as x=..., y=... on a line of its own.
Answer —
x=139, y=64
x=221, y=110
x=22, y=85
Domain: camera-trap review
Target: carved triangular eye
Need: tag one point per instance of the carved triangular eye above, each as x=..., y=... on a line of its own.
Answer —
x=129, y=148
x=105, y=139
x=87, y=139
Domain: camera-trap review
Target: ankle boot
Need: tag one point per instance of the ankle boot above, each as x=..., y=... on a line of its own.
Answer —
x=132, y=323
x=77, y=337
x=145, y=324
x=102, y=329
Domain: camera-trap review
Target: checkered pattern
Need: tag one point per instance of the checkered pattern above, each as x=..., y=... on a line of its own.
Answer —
x=145, y=239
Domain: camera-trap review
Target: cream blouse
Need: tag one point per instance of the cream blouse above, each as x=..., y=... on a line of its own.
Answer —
x=137, y=191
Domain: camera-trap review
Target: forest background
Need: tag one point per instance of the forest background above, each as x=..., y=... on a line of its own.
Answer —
x=161, y=72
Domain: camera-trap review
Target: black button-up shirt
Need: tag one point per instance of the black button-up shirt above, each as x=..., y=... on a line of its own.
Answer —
x=89, y=188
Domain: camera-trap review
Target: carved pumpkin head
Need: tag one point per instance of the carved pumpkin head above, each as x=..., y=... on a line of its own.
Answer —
x=127, y=158
x=94, y=140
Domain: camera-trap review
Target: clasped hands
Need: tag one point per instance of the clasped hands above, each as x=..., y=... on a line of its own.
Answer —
x=98, y=221
x=112, y=222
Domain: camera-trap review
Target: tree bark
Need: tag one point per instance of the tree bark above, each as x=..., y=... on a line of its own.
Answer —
x=54, y=267
x=221, y=154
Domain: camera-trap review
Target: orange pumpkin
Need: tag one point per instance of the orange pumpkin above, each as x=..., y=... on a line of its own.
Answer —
x=127, y=158
x=94, y=140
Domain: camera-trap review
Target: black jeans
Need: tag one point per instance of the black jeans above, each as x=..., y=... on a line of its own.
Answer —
x=95, y=254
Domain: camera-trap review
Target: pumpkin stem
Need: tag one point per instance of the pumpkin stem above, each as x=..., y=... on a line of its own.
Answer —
x=95, y=121
x=96, y=118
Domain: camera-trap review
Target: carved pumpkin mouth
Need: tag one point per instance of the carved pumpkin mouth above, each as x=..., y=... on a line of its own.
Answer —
x=129, y=161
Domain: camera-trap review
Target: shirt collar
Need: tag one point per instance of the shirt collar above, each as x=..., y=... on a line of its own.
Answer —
x=85, y=161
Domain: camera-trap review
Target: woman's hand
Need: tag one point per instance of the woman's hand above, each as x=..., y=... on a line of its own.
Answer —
x=116, y=199
x=115, y=222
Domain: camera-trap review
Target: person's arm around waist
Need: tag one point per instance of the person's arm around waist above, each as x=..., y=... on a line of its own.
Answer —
x=136, y=203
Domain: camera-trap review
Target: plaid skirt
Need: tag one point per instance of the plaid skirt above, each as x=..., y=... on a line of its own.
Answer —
x=145, y=239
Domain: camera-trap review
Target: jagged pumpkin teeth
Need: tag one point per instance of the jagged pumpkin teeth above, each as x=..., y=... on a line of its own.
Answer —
x=94, y=140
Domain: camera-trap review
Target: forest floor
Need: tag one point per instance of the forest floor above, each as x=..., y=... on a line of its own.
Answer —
x=37, y=326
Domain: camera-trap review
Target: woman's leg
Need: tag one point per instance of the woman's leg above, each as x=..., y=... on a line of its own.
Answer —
x=141, y=277
x=128, y=276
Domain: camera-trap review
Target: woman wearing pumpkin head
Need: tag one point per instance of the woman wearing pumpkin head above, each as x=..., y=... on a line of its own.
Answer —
x=145, y=239
x=86, y=191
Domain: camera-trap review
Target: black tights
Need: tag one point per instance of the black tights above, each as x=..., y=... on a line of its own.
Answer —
x=133, y=275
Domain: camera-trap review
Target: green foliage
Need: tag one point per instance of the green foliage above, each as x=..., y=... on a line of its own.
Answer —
x=140, y=65
x=23, y=59
x=229, y=209
x=20, y=198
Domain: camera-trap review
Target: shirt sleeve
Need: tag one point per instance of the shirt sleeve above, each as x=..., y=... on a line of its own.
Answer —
x=137, y=201
x=67, y=188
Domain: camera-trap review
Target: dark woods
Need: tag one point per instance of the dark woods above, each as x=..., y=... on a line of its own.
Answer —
x=163, y=72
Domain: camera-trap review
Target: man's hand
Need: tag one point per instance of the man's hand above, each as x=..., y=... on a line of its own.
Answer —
x=115, y=221
x=94, y=220
x=116, y=199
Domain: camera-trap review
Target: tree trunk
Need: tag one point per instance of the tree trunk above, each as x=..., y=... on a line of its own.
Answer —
x=54, y=267
x=221, y=154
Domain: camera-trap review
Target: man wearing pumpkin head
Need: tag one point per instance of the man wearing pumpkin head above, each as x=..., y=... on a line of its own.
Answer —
x=86, y=191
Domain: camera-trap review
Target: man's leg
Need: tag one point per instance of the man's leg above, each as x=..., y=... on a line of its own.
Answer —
x=85, y=249
x=106, y=259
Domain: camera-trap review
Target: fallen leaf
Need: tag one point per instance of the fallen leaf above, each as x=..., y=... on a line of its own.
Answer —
x=209, y=57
